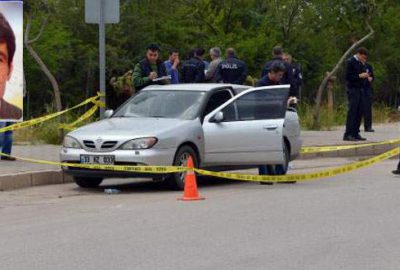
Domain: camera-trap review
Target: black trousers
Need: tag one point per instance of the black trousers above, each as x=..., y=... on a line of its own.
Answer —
x=367, y=105
x=355, y=111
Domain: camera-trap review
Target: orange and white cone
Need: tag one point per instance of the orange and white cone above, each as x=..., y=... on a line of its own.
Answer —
x=190, y=192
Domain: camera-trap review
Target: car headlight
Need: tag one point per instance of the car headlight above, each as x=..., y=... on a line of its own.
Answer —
x=70, y=142
x=137, y=144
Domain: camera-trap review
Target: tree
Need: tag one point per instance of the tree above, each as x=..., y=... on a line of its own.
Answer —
x=30, y=9
x=365, y=9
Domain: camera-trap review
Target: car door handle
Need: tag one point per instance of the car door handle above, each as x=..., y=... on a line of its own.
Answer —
x=270, y=127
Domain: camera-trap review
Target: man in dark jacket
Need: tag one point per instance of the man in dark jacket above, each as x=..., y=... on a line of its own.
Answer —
x=277, y=56
x=232, y=70
x=297, y=73
x=273, y=77
x=356, y=79
x=150, y=70
x=367, y=99
x=193, y=70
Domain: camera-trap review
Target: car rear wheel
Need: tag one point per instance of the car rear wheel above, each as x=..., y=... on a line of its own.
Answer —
x=283, y=169
x=280, y=169
x=88, y=182
x=177, y=180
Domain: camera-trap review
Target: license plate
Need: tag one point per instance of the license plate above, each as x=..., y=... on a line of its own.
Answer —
x=108, y=160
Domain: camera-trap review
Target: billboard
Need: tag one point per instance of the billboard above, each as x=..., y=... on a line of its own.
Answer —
x=11, y=61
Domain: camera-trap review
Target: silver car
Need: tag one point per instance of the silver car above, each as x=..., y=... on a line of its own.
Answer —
x=221, y=126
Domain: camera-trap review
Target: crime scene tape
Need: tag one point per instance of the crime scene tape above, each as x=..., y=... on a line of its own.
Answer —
x=233, y=176
x=120, y=168
x=321, y=149
x=47, y=117
x=83, y=117
x=305, y=176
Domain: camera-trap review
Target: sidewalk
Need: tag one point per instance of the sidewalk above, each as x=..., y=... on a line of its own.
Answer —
x=20, y=174
x=383, y=132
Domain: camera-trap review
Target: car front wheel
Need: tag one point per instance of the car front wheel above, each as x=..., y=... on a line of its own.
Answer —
x=177, y=180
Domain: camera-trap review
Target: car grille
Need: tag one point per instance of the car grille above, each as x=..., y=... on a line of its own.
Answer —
x=89, y=144
x=107, y=145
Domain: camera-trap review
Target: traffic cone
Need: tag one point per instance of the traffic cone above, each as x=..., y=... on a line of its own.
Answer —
x=190, y=192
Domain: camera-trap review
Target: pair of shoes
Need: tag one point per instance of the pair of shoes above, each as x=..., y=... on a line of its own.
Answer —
x=353, y=138
x=349, y=138
x=396, y=172
x=8, y=158
x=359, y=138
x=369, y=130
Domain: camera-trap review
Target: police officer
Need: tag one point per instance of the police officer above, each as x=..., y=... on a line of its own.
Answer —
x=277, y=56
x=232, y=70
x=273, y=77
x=193, y=70
x=356, y=79
x=297, y=73
x=367, y=99
x=149, y=69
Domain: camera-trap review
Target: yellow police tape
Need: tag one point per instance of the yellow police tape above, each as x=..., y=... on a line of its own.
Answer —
x=83, y=117
x=119, y=168
x=321, y=149
x=49, y=116
x=304, y=176
x=233, y=176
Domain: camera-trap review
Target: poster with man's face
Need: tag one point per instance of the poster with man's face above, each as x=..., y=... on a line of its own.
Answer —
x=11, y=60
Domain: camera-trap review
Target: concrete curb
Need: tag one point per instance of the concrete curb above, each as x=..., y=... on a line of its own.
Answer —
x=360, y=152
x=31, y=179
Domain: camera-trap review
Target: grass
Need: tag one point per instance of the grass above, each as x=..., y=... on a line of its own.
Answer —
x=49, y=132
x=331, y=119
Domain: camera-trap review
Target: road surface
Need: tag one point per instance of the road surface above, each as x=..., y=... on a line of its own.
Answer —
x=347, y=222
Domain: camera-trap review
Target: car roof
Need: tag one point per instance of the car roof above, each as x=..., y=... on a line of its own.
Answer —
x=203, y=87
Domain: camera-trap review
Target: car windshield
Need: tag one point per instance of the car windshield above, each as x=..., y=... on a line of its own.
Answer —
x=163, y=104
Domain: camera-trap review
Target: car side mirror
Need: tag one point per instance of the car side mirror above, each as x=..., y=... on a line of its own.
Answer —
x=108, y=113
x=218, y=117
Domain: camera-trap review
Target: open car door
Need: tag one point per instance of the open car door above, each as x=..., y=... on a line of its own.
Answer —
x=247, y=129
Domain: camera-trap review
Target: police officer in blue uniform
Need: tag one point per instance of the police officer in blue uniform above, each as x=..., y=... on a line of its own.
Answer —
x=277, y=57
x=232, y=70
x=273, y=77
x=193, y=70
x=367, y=99
x=356, y=79
x=297, y=74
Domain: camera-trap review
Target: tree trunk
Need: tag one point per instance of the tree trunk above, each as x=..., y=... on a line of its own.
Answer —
x=56, y=89
x=322, y=87
x=42, y=65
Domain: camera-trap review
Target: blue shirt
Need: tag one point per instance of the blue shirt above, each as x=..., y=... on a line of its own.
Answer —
x=173, y=72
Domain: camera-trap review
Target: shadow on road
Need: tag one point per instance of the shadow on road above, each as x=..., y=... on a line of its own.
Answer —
x=148, y=186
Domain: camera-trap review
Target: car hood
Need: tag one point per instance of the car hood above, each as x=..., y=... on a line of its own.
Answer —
x=131, y=128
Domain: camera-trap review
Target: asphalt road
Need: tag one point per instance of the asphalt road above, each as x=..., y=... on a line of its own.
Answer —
x=348, y=222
